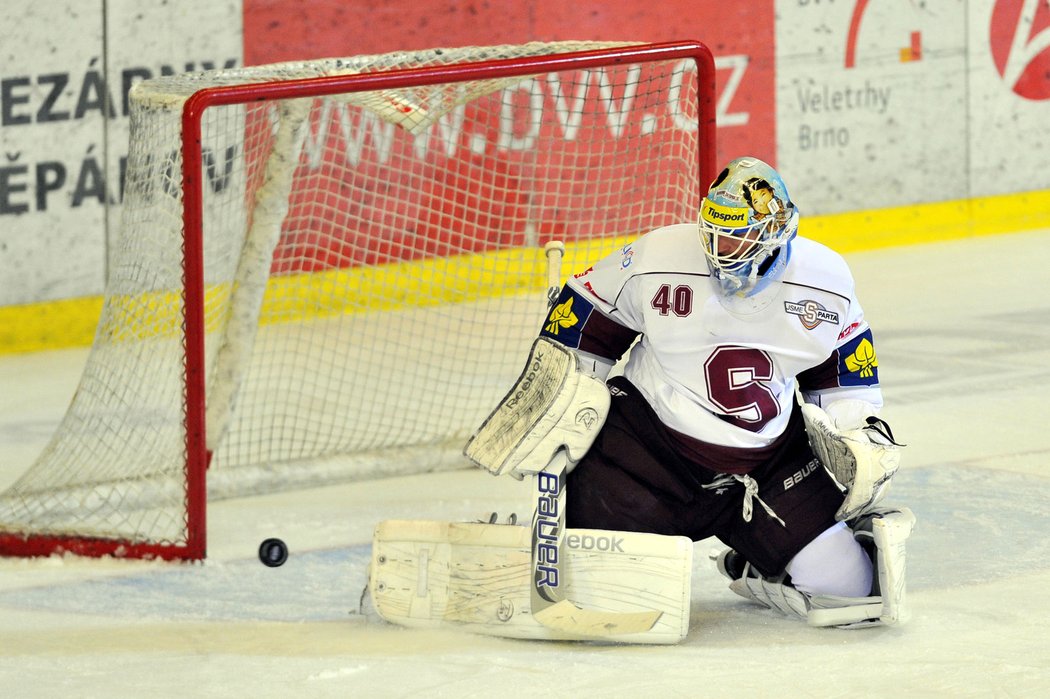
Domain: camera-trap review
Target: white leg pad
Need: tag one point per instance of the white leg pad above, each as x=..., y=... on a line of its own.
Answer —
x=474, y=576
x=891, y=529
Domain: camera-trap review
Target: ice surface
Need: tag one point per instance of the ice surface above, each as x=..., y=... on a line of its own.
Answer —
x=963, y=333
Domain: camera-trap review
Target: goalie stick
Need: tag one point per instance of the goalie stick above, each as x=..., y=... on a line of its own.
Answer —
x=548, y=526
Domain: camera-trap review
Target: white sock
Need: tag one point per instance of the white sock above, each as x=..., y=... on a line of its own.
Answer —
x=832, y=564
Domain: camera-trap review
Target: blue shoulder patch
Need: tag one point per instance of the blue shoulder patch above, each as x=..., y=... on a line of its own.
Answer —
x=858, y=365
x=566, y=319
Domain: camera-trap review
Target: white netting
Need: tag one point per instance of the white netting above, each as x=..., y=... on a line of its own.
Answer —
x=373, y=274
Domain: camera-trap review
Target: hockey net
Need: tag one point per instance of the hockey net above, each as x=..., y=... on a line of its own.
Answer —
x=333, y=270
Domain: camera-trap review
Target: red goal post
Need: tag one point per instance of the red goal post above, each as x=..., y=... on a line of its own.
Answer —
x=364, y=218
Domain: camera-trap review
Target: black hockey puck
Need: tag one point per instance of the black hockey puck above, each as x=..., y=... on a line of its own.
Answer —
x=273, y=553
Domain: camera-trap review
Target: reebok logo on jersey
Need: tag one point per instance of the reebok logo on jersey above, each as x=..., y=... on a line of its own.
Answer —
x=628, y=256
x=810, y=313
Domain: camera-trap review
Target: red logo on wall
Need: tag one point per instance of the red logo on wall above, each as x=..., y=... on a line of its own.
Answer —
x=909, y=53
x=1020, y=43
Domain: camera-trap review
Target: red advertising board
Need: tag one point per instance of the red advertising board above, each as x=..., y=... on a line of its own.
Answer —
x=741, y=36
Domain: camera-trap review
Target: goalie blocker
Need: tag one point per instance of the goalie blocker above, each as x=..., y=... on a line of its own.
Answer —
x=552, y=406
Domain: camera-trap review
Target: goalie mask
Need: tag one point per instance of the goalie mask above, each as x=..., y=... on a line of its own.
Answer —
x=747, y=222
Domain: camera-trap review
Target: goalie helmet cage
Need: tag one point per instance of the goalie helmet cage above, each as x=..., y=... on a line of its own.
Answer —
x=345, y=257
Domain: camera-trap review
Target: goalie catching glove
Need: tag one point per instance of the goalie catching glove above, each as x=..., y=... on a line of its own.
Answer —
x=552, y=406
x=857, y=448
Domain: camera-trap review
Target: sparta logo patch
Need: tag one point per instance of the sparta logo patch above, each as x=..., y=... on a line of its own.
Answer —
x=810, y=313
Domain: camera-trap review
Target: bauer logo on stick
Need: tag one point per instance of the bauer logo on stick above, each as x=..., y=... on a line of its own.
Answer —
x=546, y=526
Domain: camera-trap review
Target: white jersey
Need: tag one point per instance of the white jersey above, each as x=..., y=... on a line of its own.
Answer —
x=720, y=370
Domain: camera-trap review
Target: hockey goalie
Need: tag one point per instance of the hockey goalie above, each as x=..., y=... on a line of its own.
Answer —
x=746, y=407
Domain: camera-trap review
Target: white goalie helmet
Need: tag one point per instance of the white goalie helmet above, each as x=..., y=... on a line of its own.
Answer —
x=746, y=219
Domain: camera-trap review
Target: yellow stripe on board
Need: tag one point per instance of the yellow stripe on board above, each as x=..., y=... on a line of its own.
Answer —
x=42, y=326
x=72, y=322
x=403, y=284
x=929, y=223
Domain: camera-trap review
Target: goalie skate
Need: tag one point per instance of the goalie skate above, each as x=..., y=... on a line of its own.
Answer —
x=884, y=533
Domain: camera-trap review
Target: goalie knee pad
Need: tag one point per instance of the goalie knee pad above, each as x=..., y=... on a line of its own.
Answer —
x=883, y=533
